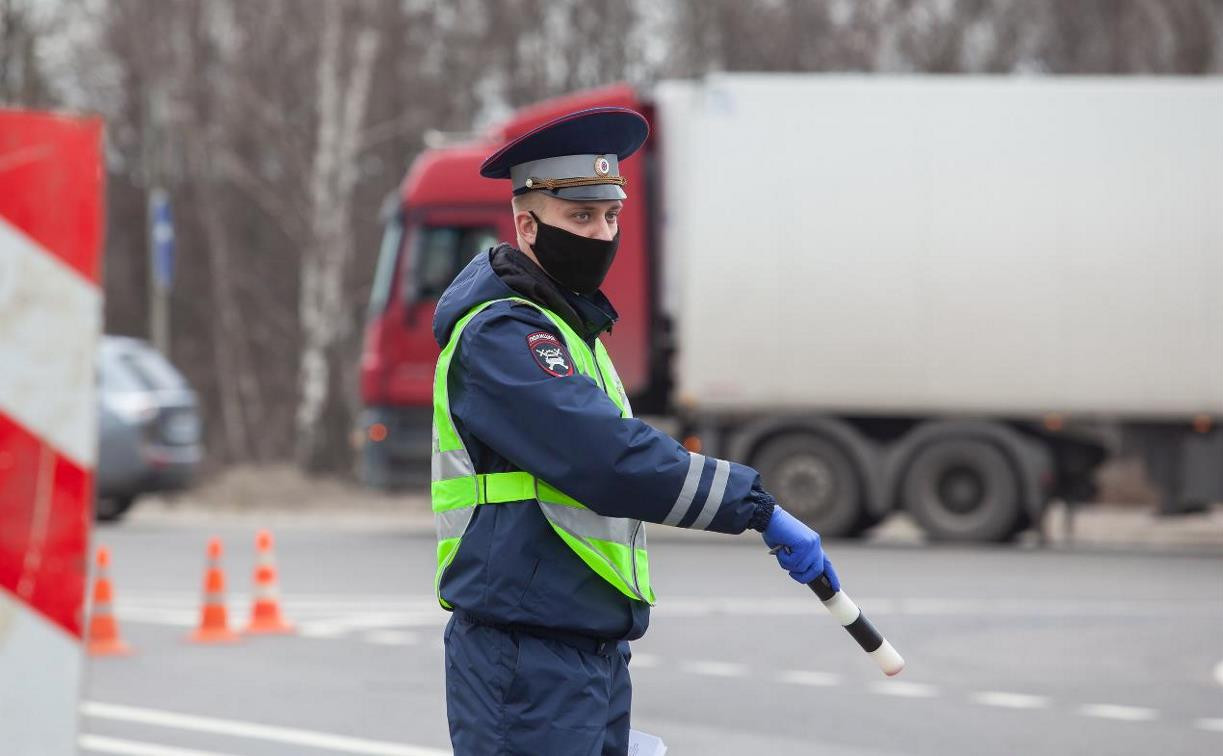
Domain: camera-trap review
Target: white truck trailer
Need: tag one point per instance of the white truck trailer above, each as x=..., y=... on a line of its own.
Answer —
x=951, y=295
x=945, y=294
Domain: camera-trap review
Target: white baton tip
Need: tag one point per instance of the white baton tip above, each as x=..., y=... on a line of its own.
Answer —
x=842, y=608
x=888, y=660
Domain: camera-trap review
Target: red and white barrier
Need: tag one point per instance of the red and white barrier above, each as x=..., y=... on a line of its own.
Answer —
x=51, y=194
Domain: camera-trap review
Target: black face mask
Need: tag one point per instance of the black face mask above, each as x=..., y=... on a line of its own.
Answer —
x=578, y=263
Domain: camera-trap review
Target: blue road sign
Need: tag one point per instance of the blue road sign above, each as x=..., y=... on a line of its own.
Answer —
x=161, y=232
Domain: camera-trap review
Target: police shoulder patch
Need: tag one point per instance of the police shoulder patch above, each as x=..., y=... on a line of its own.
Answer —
x=550, y=354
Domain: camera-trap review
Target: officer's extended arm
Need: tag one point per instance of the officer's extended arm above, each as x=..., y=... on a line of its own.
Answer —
x=567, y=431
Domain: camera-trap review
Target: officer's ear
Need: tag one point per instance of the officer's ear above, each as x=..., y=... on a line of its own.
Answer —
x=525, y=225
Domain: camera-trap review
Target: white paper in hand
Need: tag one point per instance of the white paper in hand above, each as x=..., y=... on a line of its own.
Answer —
x=645, y=744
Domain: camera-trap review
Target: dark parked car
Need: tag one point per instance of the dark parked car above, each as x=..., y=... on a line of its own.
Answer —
x=148, y=425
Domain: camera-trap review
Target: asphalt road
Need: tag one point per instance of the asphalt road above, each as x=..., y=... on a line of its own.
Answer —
x=1009, y=651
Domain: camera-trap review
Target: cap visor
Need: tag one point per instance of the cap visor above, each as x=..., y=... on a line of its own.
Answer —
x=595, y=192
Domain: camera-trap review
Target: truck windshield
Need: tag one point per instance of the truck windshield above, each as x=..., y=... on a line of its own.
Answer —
x=440, y=252
x=384, y=274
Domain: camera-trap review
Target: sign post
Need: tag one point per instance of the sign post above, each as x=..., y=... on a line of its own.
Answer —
x=161, y=268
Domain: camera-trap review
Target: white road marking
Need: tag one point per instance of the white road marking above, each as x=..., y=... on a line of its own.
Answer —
x=1214, y=725
x=876, y=606
x=316, y=616
x=293, y=598
x=171, y=607
x=1219, y=673
x=321, y=630
x=808, y=677
x=338, y=626
x=253, y=730
x=1010, y=700
x=715, y=668
x=904, y=689
x=338, y=621
x=369, y=619
x=150, y=616
x=100, y=744
x=1119, y=713
x=391, y=637
x=644, y=661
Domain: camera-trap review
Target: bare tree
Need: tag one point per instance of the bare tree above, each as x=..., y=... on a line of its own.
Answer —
x=343, y=83
x=22, y=81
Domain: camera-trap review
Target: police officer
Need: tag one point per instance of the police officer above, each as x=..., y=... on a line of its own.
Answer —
x=541, y=475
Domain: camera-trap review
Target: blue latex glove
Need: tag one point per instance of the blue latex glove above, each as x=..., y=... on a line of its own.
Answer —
x=801, y=554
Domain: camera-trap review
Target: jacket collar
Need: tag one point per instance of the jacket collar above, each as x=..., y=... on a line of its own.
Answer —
x=589, y=315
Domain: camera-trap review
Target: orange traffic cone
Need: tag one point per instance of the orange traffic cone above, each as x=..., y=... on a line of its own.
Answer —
x=214, y=618
x=265, y=611
x=103, y=630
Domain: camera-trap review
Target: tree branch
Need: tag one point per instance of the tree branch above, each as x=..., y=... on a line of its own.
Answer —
x=287, y=219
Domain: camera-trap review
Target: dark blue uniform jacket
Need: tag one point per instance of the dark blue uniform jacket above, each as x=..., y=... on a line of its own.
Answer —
x=513, y=414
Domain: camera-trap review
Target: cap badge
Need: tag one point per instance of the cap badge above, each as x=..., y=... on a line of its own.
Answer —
x=602, y=166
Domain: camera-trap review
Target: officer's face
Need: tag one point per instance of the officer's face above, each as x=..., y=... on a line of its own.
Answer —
x=589, y=218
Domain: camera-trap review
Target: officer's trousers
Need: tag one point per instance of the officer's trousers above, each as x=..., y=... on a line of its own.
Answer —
x=514, y=694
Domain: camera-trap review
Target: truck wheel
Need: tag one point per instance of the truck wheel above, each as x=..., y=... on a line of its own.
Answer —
x=963, y=489
x=113, y=508
x=814, y=480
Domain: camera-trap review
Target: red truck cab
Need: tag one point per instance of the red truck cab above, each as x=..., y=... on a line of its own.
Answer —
x=446, y=213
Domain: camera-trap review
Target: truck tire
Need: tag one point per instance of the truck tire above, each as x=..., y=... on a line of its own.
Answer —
x=112, y=509
x=963, y=489
x=814, y=480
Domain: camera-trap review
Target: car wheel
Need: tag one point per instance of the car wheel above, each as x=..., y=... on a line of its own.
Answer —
x=112, y=509
x=814, y=480
x=963, y=489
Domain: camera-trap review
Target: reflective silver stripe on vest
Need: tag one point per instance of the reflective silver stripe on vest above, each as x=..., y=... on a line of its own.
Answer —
x=589, y=524
x=452, y=464
x=453, y=522
x=585, y=525
x=713, y=502
x=446, y=465
x=696, y=463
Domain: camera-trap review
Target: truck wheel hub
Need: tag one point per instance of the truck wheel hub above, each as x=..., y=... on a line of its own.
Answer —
x=808, y=480
x=961, y=490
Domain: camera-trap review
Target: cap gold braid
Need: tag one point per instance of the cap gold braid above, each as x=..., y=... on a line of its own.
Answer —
x=564, y=183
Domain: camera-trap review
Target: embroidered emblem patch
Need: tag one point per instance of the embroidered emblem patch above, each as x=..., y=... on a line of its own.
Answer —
x=549, y=354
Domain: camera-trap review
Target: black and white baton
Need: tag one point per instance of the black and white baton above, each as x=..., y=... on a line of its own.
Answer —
x=844, y=610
